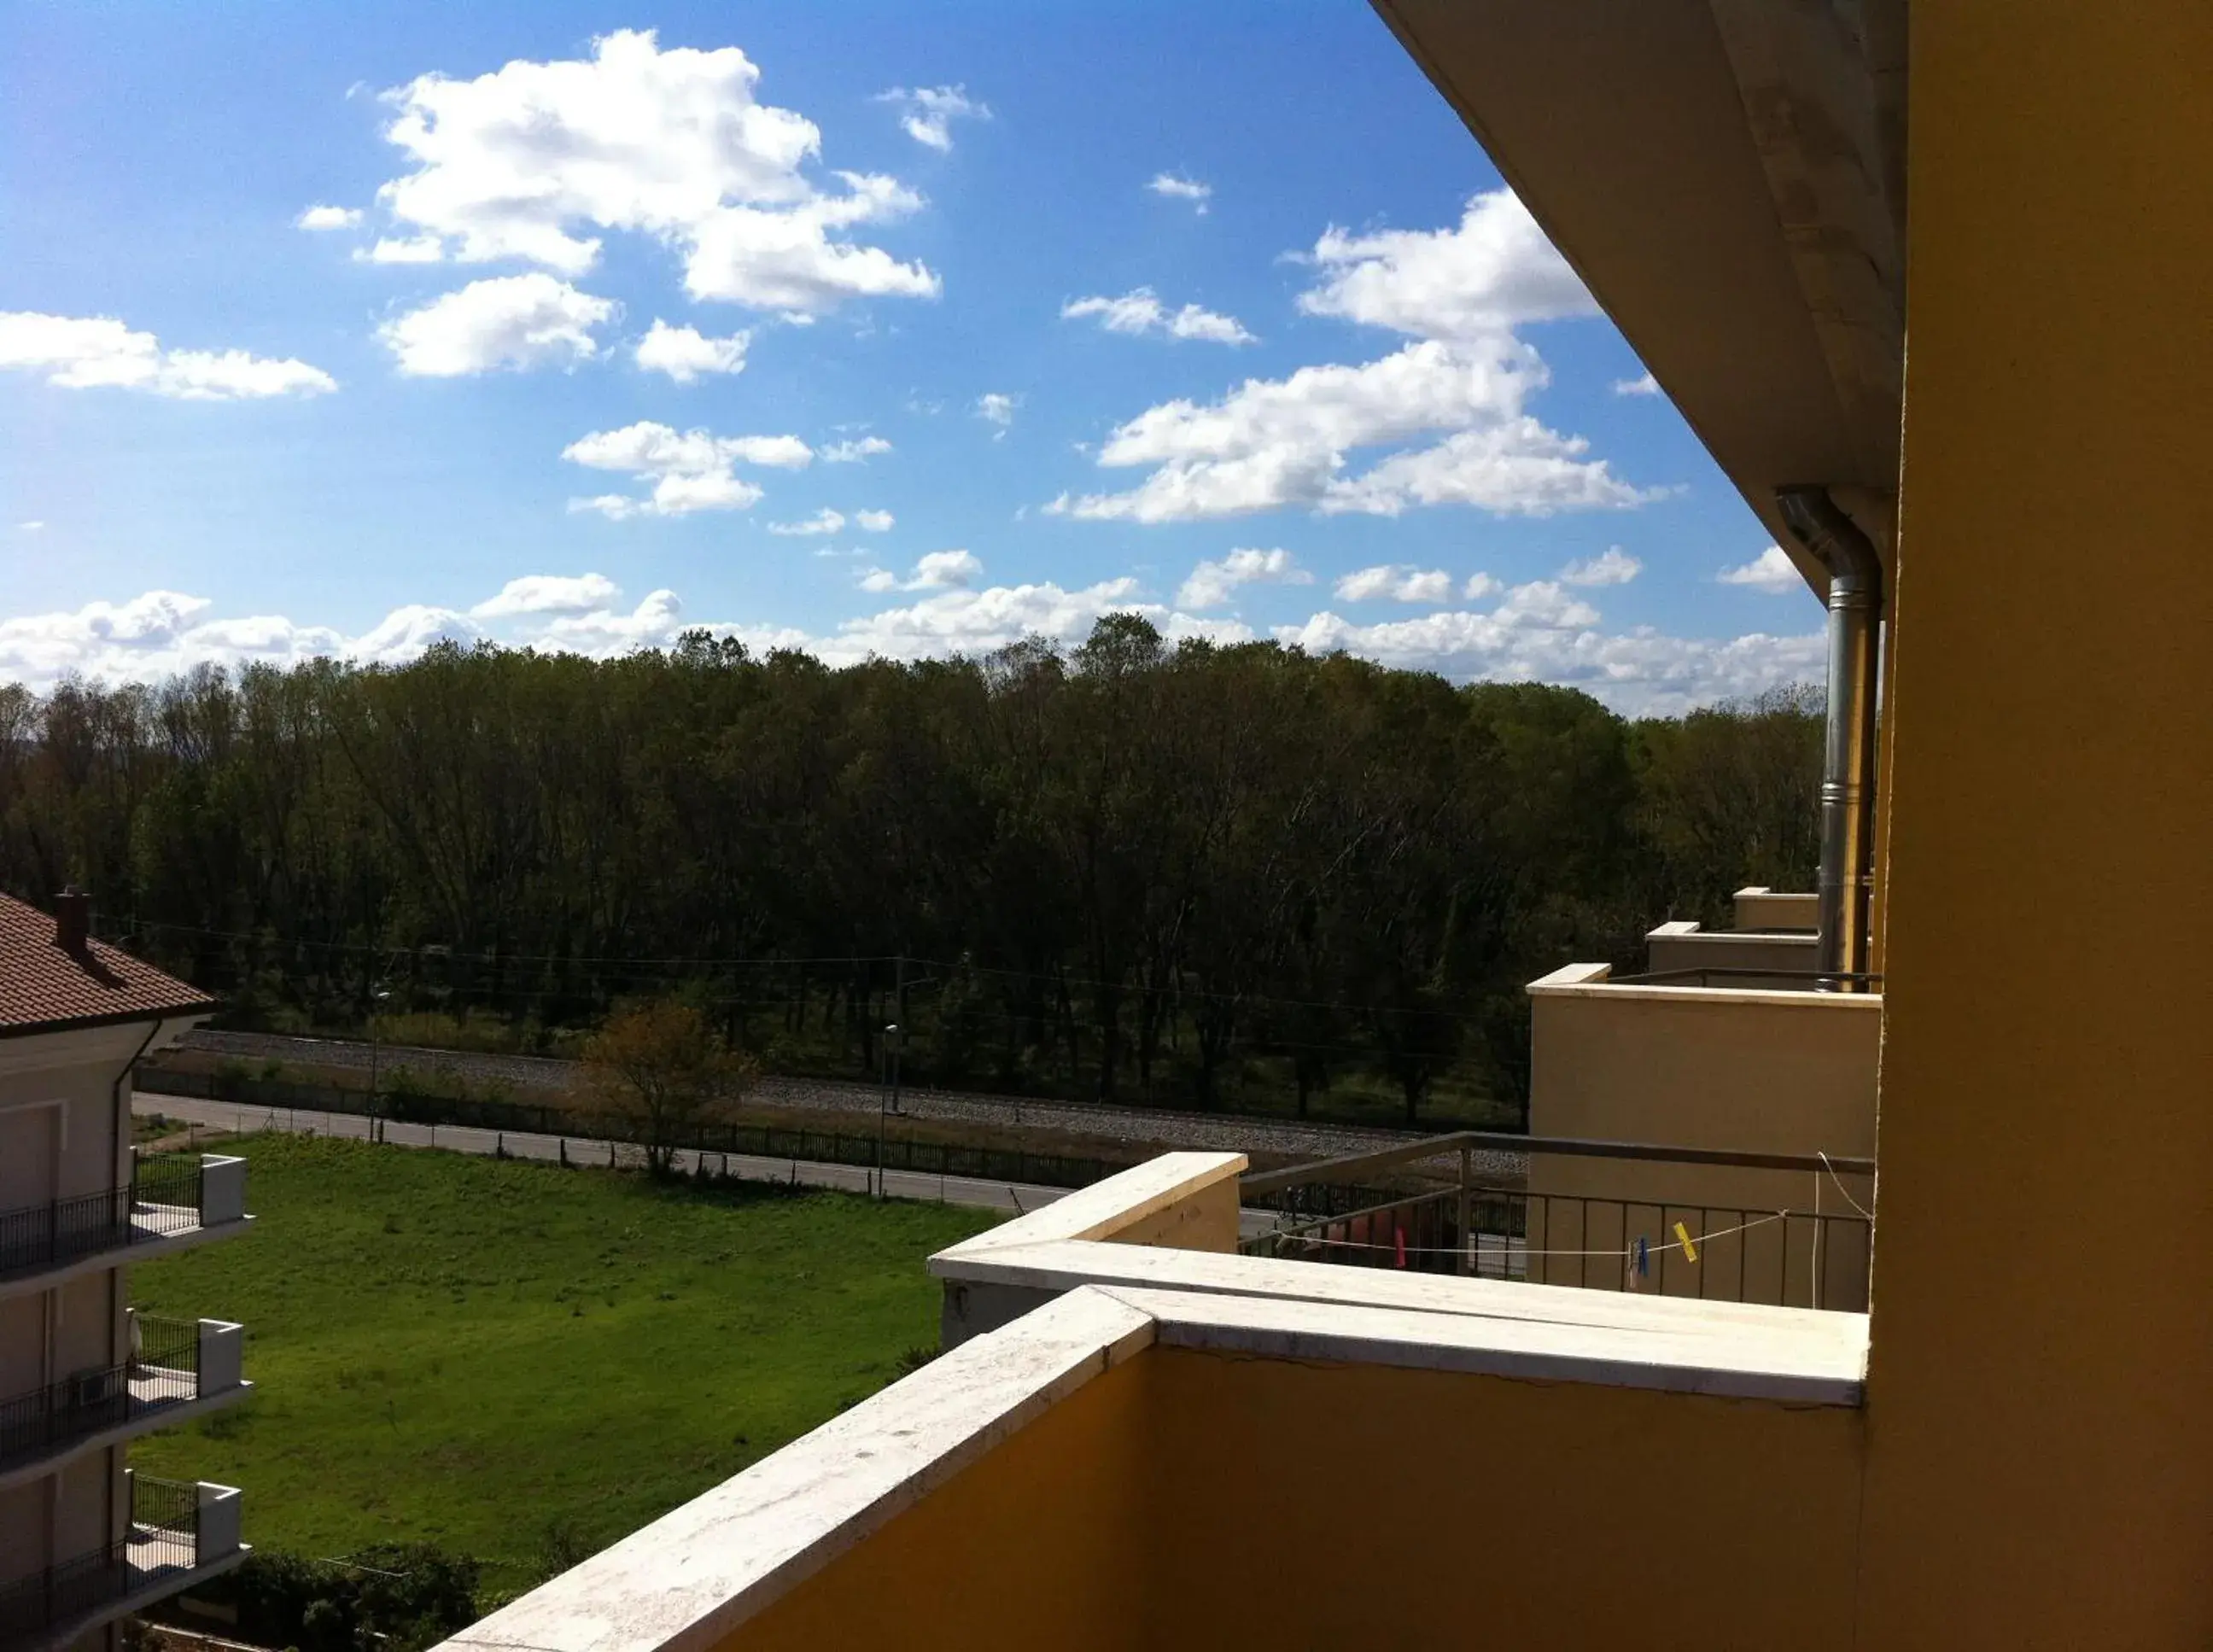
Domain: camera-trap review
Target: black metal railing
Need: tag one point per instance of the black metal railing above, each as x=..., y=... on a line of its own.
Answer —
x=163, y=1539
x=1488, y=1222
x=1745, y=975
x=162, y=1198
x=163, y=1369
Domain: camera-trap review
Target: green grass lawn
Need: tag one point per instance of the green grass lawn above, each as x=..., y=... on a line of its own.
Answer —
x=520, y=1363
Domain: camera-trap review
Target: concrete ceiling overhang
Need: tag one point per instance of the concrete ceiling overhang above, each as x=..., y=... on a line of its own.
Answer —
x=1727, y=177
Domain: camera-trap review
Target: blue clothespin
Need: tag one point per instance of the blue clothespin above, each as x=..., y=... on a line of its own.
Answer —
x=1643, y=1258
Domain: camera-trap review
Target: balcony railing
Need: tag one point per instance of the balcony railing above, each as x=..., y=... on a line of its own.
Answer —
x=173, y=1362
x=177, y=1529
x=1489, y=1223
x=167, y=1195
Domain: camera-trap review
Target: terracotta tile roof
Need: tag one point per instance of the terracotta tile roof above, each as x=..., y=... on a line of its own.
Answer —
x=45, y=988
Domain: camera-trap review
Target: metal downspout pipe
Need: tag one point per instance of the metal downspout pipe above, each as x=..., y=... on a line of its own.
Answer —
x=1847, y=880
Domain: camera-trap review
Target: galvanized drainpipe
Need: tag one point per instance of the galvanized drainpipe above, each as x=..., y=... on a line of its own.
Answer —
x=1847, y=881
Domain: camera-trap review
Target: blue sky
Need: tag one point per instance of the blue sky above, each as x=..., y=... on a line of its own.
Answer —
x=642, y=301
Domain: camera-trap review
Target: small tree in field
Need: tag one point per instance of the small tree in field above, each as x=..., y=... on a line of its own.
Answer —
x=658, y=1071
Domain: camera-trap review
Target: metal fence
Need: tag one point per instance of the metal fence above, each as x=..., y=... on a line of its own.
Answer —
x=1495, y=1226
x=163, y=1368
x=162, y=1198
x=855, y=1149
x=164, y=1537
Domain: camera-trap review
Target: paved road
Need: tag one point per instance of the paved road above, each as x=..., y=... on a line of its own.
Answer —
x=1147, y=1126
x=1012, y=1197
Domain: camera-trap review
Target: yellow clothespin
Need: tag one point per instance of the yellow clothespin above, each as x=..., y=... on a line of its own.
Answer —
x=1683, y=1238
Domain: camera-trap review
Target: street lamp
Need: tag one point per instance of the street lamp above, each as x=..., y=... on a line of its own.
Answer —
x=888, y=1095
x=377, y=995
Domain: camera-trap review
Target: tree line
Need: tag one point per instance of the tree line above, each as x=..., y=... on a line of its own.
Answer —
x=1185, y=875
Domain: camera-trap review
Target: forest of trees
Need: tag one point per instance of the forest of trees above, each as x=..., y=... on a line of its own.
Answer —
x=1188, y=875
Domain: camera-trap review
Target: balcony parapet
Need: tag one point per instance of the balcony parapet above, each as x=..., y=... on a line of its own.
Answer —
x=177, y=1370
x=179, y=1535
x=173, y=1202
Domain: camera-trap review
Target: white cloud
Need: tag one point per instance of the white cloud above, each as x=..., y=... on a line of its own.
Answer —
x=518, y=321
x=1390, y=583
x=404, y=249
x=1178, y=187
x=690, y=469
x=825, y=521
x=29, y=527
x=874, y=521
x=1211, y=583
x=939, y=571
x=1274, y=442
x=1613, y=566
x=1772, y=571
x=548, y=594
x=529, y=161
x=1479, y=586
x=684, y=353
x=100, y=352
x=854, y=452
x=996, y=407
x=1539, y=631
x=1492, y=273
x=1140, y=311
x=1644, y=384
x=928, y=112
x=329, y=217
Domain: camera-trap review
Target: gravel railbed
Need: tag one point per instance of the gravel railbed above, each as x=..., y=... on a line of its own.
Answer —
x=1147, y=1126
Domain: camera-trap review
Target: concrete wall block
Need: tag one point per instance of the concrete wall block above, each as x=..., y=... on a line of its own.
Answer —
x=219, y=1523
x=223, y=1188
x=222, y=1356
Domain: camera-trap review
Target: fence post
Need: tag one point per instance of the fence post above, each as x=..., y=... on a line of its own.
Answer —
x=1465, y=1240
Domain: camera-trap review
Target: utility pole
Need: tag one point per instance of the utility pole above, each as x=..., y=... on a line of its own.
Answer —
x=885, y=1091
x=377, y=995
x=899, y=1004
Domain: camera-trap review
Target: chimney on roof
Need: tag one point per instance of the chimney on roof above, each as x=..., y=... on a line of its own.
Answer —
x=73, y=920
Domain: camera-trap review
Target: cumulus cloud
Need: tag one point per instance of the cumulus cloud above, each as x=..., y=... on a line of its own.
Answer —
x=996, y=407
x=510, y=321
x=1140, y=311
x=685, y=353
x=1465, y=378
x=1772, y=571
x=548, y=594
x=328, y=217
x=1390, y=582
x=1212, y=583
x=1643, y=384
x=1177, y=187
x=874, y=521
x=529, y=160
x=856, y=452
x=1493, y=272
x=939, y=571
x=1613, y=566
x=100, y=352
x=1539, y=631
x=825, y=521
x=404, y=249
x=690, y=469
x=927, y=112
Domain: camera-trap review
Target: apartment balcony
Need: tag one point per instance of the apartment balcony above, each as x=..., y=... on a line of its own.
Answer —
x=172, y=1202
x=180, y=1534
x=178, y=1369
x=1150, y=1440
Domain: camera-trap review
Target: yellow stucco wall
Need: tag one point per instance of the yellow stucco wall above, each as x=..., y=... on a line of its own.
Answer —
x=1037, y=1544
x=2041, y=1411
x=1198, y=1499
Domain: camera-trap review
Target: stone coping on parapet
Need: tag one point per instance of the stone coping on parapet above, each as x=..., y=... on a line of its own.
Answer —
x=1592, y=981
x=688, y=1580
